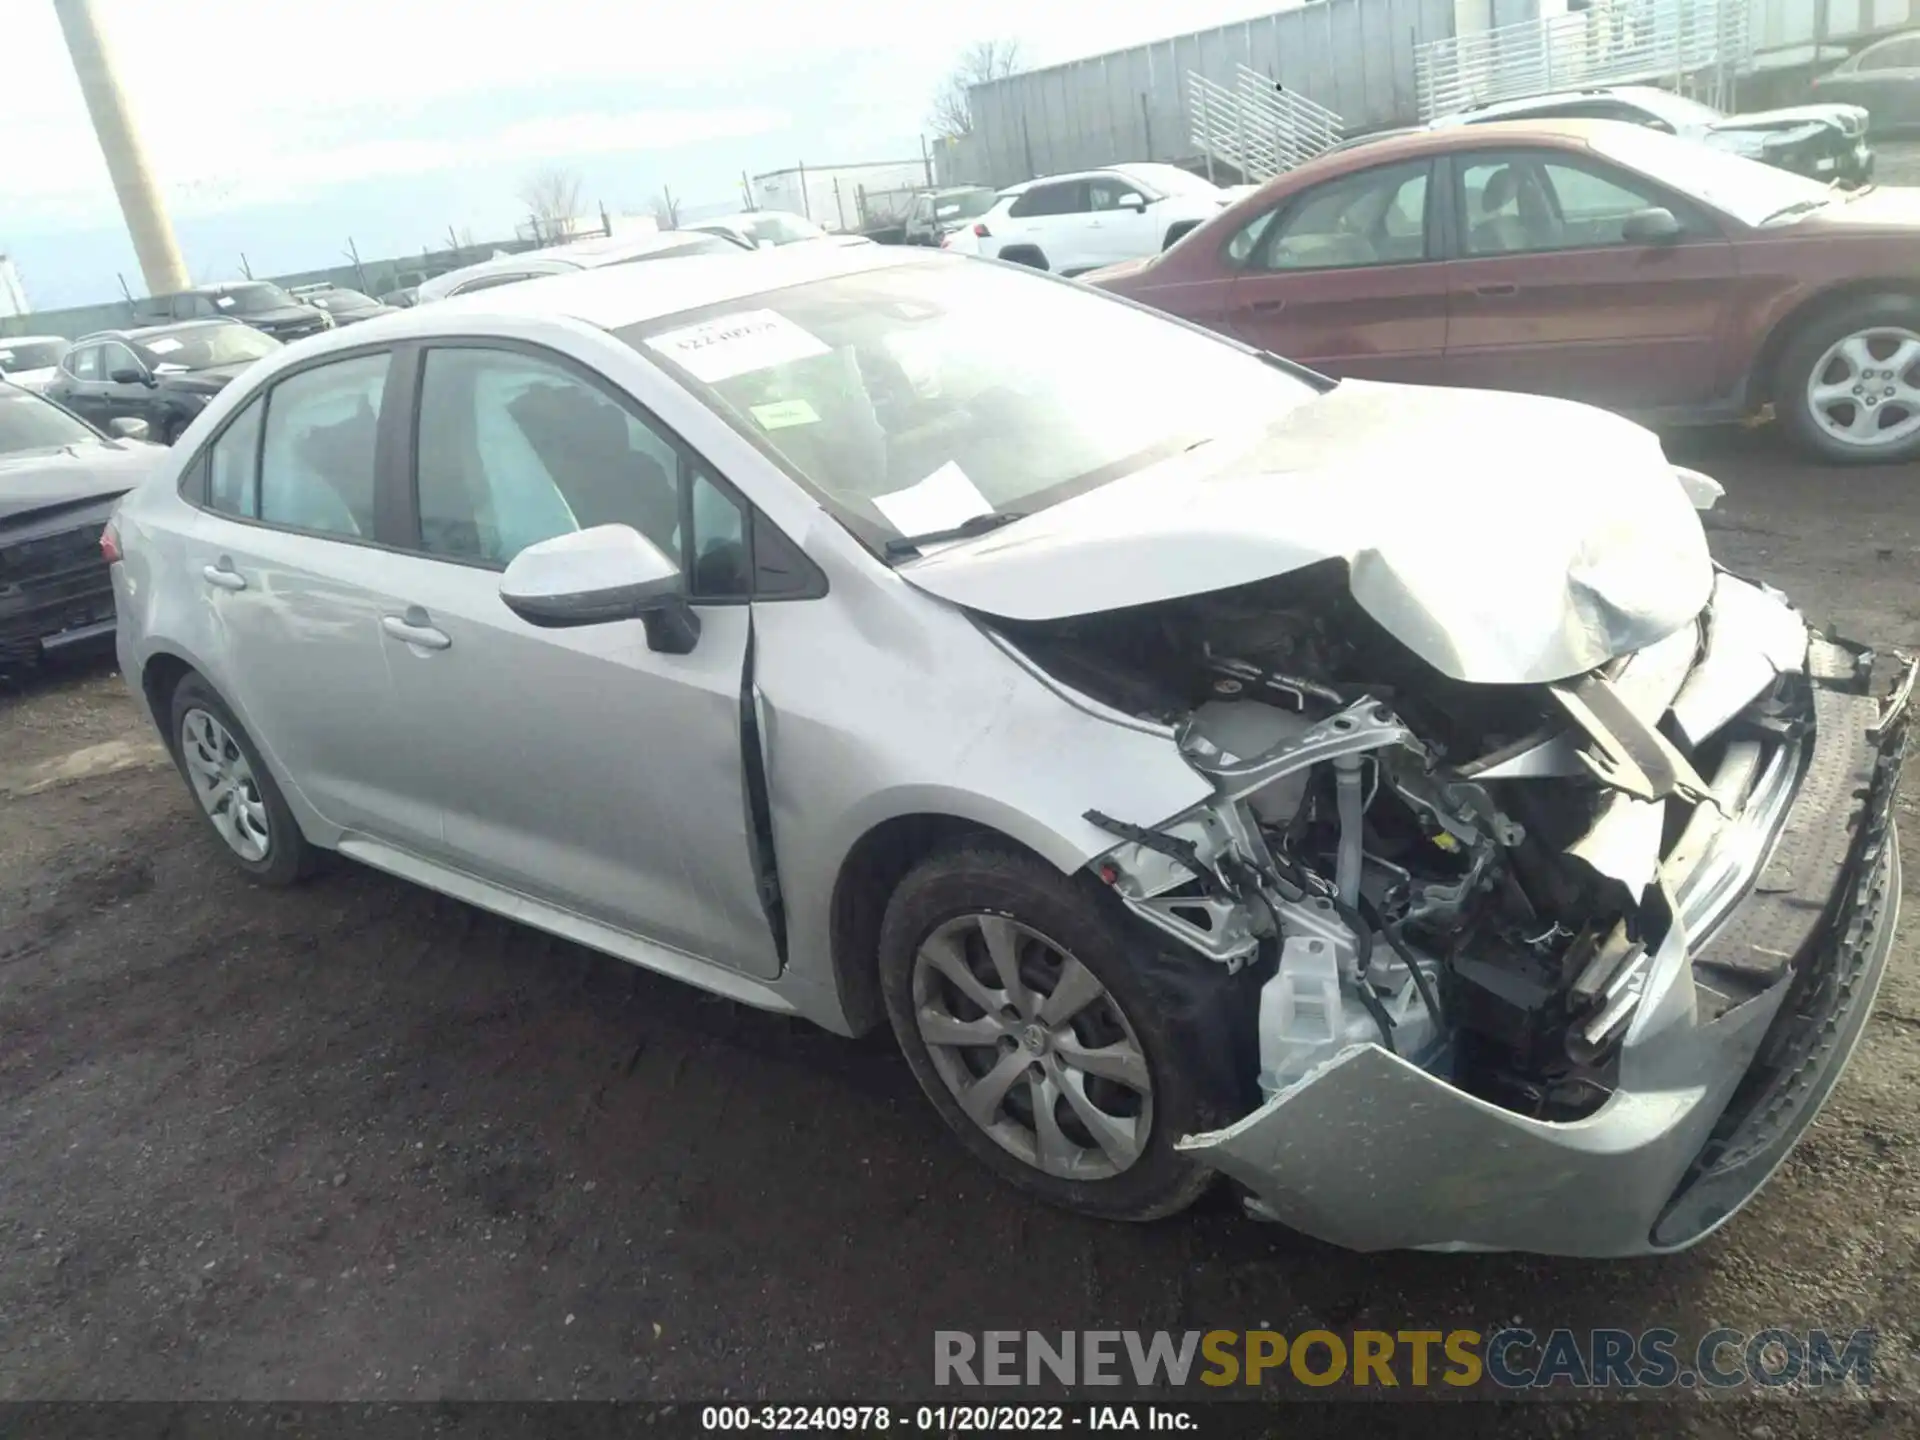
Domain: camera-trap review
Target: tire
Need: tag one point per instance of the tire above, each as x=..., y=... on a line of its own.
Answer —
x=1028, y=255
x=259, y=833
x=950, y=904
x=171, y=428
x=1877, y=337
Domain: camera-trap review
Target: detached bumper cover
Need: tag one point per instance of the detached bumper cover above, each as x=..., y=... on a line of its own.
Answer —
x=1738, y=1040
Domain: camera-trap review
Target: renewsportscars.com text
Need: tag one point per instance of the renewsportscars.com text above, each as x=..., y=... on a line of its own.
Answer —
x=1514, y=1358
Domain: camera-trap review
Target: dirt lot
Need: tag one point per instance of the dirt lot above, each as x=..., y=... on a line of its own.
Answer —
x=357, y=1141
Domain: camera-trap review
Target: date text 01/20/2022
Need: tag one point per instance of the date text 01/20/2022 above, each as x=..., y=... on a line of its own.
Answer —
x=945, y=1419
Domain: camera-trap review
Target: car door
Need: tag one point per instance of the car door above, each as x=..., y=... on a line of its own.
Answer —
x=1045, y=218
x=1346, y=276
x=1119, y=224
x=81, y=385
x=288, y=552
x=127, y=392
x=577, y=766
x=1548, y=295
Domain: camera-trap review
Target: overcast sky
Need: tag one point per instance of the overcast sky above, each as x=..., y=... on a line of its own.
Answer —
x=283, y=126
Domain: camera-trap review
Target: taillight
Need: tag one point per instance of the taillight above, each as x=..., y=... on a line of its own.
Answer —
x=983, y=232
x=110, y=543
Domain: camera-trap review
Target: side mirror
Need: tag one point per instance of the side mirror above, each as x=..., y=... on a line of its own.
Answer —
x=1134, y=201
x=1650, y=227
x=128, y=375
x=127, y=428
x=599, y=575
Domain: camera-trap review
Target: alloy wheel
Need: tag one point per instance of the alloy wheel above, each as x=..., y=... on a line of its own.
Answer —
x=1033, y=1047
x=223, y=781
x=1862, y=392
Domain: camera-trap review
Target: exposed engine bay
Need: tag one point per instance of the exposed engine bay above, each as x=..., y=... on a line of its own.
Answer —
x=1473, y=877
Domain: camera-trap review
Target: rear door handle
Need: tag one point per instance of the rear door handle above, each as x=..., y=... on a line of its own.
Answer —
x=416, y=629
x=222, y=576
x=1267, y=307
x=1496, y=290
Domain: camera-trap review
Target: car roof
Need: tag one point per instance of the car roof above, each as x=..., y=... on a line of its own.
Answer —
x=142, y=332
x=616, y=296
x=6, y=340
x=1569, y=134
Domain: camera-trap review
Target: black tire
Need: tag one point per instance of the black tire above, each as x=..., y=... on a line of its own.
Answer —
x=172, y=427
x=1028, y=255
x=978, y=878
x=1806, y=349
x=288, y=857
x=1179, y=231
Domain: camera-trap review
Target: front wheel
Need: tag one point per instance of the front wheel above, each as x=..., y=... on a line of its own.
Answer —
x=1848, y=387
x=1020, y=1006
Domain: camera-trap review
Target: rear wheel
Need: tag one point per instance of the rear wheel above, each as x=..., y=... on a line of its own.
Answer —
x=236, y=793
x=1848, y=387
x=1022, y=1011
x=1029, y=255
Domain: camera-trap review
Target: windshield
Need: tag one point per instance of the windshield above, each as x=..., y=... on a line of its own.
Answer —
x=1679, y=110
x=253, y=299
x=1170, y=179
x=337, y=299
x=27, y=422
x=1749, y=191
x=971, y=205
x=200, y=347
x=781, y=229
x=915, y=397
x=16, y=355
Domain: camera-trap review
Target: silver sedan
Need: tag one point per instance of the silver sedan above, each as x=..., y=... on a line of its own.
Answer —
x=1372, y=794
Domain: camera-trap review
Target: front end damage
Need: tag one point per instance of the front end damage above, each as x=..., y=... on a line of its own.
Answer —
x=1559, y=967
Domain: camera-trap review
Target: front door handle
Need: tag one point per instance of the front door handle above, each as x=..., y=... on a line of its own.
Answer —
x=1496, y=290
x=1267, y=307
x=416, y=629
x=222, y=576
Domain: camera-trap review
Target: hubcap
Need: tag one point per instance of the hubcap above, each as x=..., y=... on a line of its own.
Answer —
x=1031, y=1044
x=1862, y=392
x=224, y=783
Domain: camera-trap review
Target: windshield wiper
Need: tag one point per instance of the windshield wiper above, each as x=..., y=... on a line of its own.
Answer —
x=904, y=545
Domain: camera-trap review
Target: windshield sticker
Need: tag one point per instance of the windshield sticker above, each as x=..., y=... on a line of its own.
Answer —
x=782, y=414
x=225, y=302
x=168, y=368
x=737, y=345
x=944, y=499
x=163, y=346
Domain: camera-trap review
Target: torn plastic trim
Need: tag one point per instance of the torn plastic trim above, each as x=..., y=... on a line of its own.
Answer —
x=1753, y=637
x=1703, y=491
x=1628, y=753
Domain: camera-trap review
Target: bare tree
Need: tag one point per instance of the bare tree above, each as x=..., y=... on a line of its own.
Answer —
x=552, y=197
x=666, y=210
x=980, y=62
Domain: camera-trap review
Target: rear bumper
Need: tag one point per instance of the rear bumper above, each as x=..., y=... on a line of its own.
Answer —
x=1730, y=1055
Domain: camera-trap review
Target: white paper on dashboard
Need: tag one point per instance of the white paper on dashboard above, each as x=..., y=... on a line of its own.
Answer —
x=717, y=350
x=944, y=499
x=165, y=345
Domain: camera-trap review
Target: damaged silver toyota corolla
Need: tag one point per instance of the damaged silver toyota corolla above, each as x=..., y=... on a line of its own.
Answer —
x=1375, y=795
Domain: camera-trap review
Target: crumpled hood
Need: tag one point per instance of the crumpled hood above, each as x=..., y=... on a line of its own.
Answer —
x=38, y=479
x=1848, y=118
x=1506, y=539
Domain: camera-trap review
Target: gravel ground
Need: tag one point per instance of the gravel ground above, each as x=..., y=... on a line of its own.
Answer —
x=360, y=1142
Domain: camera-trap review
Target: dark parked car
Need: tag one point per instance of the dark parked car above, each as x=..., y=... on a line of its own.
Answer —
x=1586, y=259
x=259, y=303
x=1885, y=78
x=1824, y=142
x=59, y=481
x=346, y=307
x=938, y=213
x=162, y=375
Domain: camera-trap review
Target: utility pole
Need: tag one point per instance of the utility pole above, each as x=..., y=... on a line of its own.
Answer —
x=147, y=222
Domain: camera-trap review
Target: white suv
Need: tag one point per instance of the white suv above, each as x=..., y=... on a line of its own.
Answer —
x=1073, y=223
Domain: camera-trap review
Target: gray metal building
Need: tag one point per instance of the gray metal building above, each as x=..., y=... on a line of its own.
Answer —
x=1355, y=56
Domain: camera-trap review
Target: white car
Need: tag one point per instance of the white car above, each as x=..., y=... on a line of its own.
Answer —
x=1073, y=223
x=577, y=255
x=30, y=361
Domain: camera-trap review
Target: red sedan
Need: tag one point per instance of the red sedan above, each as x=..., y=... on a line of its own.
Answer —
x=1587, y=259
